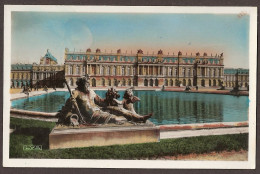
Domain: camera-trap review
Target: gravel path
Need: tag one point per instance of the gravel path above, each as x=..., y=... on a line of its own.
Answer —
x=213, y=156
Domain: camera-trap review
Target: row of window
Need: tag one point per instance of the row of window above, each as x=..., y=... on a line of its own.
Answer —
x=233, y=78
x=115, y=82
x=20, y=76
x=241, y=84
x=143, y=70
x=45, y=69
x=19, y=84
x=126, y=59
x=149, y=82
x=42, y=76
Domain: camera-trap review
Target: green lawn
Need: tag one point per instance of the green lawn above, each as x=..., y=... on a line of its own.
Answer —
x=31, y=132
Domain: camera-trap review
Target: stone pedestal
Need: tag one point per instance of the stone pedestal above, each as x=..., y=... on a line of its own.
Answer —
x=103, y=136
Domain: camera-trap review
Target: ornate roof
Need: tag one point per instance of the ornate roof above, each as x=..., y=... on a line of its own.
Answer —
x=49, y=55
x=234, y=71
x=19, y=66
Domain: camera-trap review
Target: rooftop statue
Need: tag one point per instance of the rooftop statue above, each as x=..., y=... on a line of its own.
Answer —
x=86, y=107
x=139, y=51
x=160, y=52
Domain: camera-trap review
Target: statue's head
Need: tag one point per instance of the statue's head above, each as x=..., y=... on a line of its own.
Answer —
x=83, y=84
x=128, y=93
x=112, y=94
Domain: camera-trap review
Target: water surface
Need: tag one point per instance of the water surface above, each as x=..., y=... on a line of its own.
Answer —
x=167, y=107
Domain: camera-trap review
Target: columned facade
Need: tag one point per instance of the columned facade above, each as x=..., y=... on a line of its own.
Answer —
x=231, y=75
x=119, y=69
x=21, y=75
x=48, y=72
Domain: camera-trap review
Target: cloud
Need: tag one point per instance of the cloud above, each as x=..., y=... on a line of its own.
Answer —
x=77, y=35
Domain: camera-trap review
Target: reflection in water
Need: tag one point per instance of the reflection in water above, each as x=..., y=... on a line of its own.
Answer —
x=184, y=108
x=51, y=102
x=167, y=107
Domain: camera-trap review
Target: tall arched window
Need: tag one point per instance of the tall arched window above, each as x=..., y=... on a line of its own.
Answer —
x=145, y=82
x=123, y=82
x=93, y=82
x=161, y=70
x=123, y=71
x=108, y=71
x=216, y=73
x=114, y=70
x=189, y=72
x=102, y=70
x=189, y=82
x=77, y=70
x=171, y=82
x=103, y=82
x=84, y=70
x=140, y=70
x=170, y=71
x=129, y=82
x=156, y=82
x=184, y=82
x=71, y=82
x=70, y=70
x=126, y=70
x=115, y=82
x=183, y=72
x=166, y=82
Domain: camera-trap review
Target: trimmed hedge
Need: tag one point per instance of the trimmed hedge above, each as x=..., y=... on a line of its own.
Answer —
x=32, y=132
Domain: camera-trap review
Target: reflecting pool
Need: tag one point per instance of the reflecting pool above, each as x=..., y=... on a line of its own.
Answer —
x=167, y=107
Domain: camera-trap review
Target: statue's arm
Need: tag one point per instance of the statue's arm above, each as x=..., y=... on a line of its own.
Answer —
x=68, y=108
x=118, y=102
x=99, y=101
x=69, y=102
x=135, y=99
x=74, y=95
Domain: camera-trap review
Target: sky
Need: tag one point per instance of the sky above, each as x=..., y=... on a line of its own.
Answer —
x=35, y=32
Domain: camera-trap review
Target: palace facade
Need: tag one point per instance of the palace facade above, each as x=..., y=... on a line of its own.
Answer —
x=21, y=75
x=232, y=74
x=122, y=69
x=48, y=72
x=144, y=70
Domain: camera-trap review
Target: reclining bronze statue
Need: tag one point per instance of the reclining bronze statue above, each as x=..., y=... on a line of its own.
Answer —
x=85, y=107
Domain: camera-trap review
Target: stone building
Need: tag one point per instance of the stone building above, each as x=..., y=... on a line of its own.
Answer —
x=48, y=72
x=21, y=75
x=231, y=74
x=122, y=69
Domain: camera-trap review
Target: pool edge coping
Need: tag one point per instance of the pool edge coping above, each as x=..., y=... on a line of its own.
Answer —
x=170, y=127
x=196, y=126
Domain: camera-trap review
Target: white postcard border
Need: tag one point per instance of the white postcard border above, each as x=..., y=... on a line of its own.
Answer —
x=83, y=163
